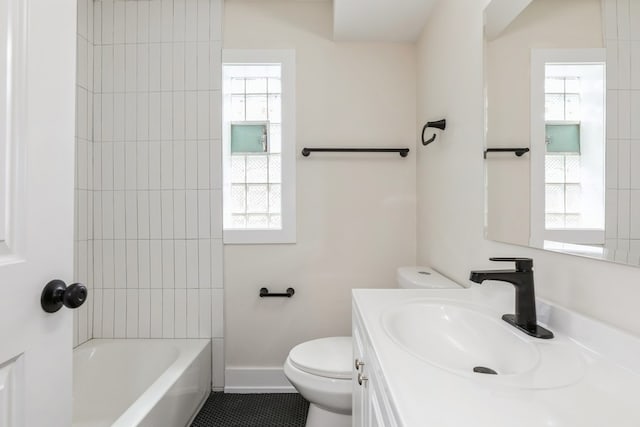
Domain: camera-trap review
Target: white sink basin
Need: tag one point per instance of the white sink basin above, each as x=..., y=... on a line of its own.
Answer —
x=459, y=339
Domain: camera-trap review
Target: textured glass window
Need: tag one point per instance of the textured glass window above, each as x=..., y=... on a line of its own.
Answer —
x=254, y=92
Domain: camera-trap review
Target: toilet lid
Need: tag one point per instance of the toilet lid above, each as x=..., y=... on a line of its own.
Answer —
x=326, y=357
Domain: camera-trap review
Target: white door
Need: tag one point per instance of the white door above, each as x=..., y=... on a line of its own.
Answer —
x=37, y=73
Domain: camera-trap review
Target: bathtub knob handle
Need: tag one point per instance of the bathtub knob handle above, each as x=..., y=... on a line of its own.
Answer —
x=56, y=294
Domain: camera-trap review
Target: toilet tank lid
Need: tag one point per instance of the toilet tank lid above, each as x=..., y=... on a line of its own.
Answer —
x=417, y=277
x=325, y=357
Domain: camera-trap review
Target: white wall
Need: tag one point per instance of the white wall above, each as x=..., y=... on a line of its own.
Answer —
x=450, y=217
x=157, y=257
x=356, y=213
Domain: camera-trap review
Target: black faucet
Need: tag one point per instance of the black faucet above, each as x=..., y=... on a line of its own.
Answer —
x=525, y=318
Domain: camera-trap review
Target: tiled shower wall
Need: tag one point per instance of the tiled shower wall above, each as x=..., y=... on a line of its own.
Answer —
x=83, y=233
x=622, y=213
x=156, y=176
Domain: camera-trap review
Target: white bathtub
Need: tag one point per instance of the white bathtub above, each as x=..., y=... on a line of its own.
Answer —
x=140, y=382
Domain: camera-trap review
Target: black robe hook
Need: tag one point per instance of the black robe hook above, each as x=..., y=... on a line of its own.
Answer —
x=440, y=124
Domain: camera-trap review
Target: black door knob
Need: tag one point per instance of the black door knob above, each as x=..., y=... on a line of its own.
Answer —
x=56, y=294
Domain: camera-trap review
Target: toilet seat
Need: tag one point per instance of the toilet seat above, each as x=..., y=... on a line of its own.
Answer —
x=325, y=357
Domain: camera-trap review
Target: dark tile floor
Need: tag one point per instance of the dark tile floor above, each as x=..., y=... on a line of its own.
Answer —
x=252, y=410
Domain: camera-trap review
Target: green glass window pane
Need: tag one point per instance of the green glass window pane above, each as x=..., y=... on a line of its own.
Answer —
x=249, y=137
x=563, y=138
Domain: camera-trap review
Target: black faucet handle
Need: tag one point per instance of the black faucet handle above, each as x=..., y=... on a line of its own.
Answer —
x=522, y=264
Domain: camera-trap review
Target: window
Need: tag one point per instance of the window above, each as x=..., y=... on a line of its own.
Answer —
x=259, y=146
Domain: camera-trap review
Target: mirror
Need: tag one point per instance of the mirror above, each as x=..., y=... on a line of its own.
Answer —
x=562, y=79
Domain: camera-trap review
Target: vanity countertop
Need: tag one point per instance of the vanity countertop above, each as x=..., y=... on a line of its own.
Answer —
x=598, y=387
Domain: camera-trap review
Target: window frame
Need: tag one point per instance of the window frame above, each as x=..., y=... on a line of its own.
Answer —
x=287, y=60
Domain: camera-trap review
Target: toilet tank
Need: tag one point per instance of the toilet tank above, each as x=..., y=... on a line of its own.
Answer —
x=423, y=278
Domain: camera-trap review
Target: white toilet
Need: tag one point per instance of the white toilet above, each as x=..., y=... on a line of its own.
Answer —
x=321, y=369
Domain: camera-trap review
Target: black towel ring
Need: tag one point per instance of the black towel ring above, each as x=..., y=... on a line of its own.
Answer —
x=440, y=124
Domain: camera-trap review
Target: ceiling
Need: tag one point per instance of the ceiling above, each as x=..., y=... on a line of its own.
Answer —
x=380, y=20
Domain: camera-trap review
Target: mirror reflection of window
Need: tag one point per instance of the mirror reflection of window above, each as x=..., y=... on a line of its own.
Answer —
x=575, y=141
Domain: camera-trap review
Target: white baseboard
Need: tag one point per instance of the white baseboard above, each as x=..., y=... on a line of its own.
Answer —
x=256, y=380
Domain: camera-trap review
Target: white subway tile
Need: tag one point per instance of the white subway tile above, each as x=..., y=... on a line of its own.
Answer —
x=216, y=164
x=154, y=165
x=635, y=113
x=155, y=256
x=120, y=314
x=217, y=313
x=97, y=23
x=167, y=20
x=178, y=66
x=107, y=70
x=142, y=68
x=119, y=113
x=166, y=72
x=142, y=166
x=144, y=313
x=131, y=65
x=108, y=264
x=623, y=12
x=97, y=264
x=204, y=311
x=217, y=360
x=180, y=314
x=131, y=214
x=215, y=56
x=97, y=69
x=167, y=214
x=624, y=172
x=180, y=256
x=624, y=114
x=215, y=122
x=82, y=18
x=118, y=166
x=107, y=117
x=191, y=212
x=132, y=313
x=179, y=165
x=204, y=264
x=611, y=170
x=634, y=226
x=611, y=213
x=155, y=66
x=107, y=214
x=191, y=158
x=217, y=263
x=108, y=312
x=120, y=263
x=119, y=220
x=143, y=214
x=191, y=12
x=168, y=313
x=97, y=312
x=119, y=22
x=624, y=65
x=178, y=115
x=82, y=218
x=155, y=329
x=610, y=21
x=179, y=21
x=191, y=66
x=131, y=27
x=192, y=264
x=155, y=21
x=191, y=115
x=166, y=165
x=155, y=116
x=155, y=214
x=143, y=117
x=204, y=214
x=193, y=315
x=204, y=161
x=142, y=26
x=203, y=115
x=634, y=160
x=635, y=65
x=179, y=207
x=131, y=166
x=203, y=20
x=119, y=68
x=82, y=62
x=216, y=11
x=144, y=260
x=204, y=62
x=612, y=114
x=131, y=122
x=166, y=116
x=623, y=214
x=107, y=21
x=634, y=18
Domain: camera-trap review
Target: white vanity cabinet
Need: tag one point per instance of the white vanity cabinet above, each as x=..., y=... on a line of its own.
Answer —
x=370, y=402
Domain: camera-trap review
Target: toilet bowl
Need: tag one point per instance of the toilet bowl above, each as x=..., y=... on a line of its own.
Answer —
x=321, y=372
x=321, y=369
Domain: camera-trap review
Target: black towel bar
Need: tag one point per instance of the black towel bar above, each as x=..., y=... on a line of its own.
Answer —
x=264, y=293
x=517, y=151
x=402, y=151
